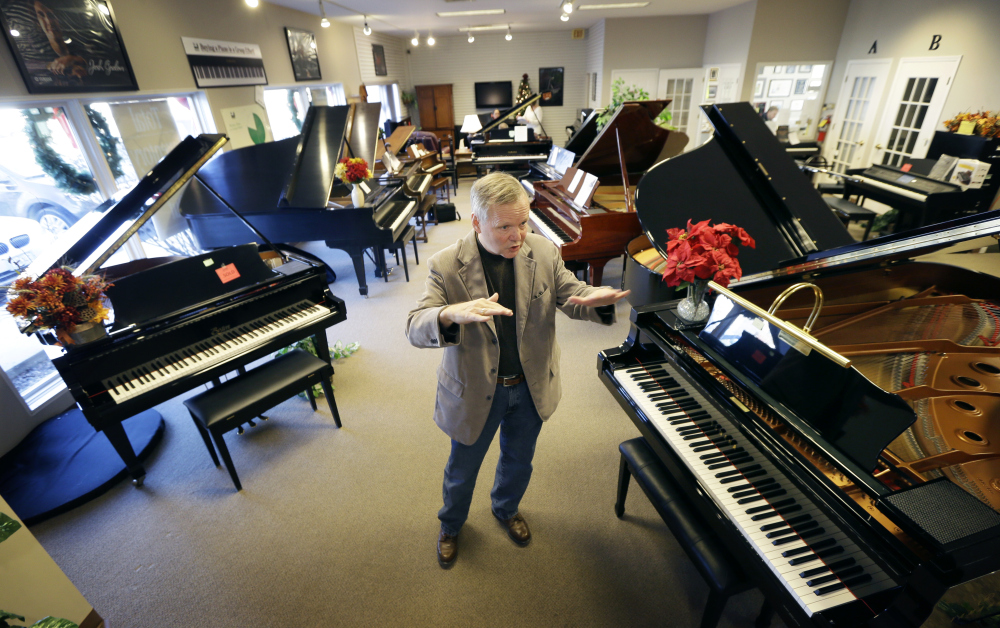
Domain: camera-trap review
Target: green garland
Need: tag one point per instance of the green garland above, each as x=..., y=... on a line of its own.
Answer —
x=66, y=176
x=108, y=142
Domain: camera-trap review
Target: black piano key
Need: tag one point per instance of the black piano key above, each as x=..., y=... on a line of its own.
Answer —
x=751, y=474
x=703, y=433
x=777, y=534
x=704, y=447
x=768, y=515
x=757, y=484
x=847, y=583
x=737, y=471
x=776, y=506
x=818, y=545
x=730, y=462
x=840, y=564
x=723, y=453
x=788, y=522
x=801, y=535
x=808, y=558
x=846, y=573
x=759, y=496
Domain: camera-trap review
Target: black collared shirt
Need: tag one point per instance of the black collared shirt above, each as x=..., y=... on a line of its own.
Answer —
x=499, y=272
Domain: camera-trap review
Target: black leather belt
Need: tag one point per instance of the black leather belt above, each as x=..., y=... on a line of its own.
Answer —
x=513, y=380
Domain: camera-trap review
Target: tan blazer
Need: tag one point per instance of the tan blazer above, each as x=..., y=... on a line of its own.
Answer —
x=468, y=371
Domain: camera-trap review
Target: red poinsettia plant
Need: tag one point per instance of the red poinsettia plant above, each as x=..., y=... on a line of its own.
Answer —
x=58, y=300
x=352, y=170
x=705, y=251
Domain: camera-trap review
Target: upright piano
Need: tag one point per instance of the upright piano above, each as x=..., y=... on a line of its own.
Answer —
x=178, y=321
x=288, y=191
x=599, y=232
x=844, y=448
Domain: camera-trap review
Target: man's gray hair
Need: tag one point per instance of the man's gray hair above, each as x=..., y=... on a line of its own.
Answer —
x=497, y=188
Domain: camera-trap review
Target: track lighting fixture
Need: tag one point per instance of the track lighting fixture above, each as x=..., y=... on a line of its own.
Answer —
x=325, y=23
x=416, y=39
x=252, y=3
x=471, y=38
x=368, y=29
x=564, y=17
x=430, y=39
x=567, y=7
x=508, y=36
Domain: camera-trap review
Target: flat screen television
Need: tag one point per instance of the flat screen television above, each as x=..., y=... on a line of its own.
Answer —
x=495, y=95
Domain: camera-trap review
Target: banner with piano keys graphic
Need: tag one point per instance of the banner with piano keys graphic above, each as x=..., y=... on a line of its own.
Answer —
x=224, y=63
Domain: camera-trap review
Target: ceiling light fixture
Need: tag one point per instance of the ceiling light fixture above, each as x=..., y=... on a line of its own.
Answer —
x=471, y=38
x=508, y=36
x=430, y=39
x=416, y=39
x=564, y=17
x=492, y=27
x=252, y=3
x=368, y=29
x=567, y=7
x=475, y=12
x=325, y=23
x=615, y=5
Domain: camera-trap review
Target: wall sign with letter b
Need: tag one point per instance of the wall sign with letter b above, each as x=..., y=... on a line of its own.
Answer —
x=935, y=42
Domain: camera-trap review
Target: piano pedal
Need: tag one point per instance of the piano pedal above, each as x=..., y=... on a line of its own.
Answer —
x=262, y=417
x=240, y=430
x=251, y=423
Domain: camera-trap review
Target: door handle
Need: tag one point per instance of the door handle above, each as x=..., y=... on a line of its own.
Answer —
x=861, y=142
x=878, y=146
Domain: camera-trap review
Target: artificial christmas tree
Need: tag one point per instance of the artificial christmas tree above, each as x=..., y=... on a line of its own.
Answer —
x=523, y=90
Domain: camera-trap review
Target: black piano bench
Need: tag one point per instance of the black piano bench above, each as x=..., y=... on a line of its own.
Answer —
x=720, y=570
x=399, y=246
x=237, y=401
x=848, y=211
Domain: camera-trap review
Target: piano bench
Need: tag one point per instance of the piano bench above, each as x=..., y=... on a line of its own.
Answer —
x=399, y=246
x=226, y=407
x=848, y=211
x=719, y=569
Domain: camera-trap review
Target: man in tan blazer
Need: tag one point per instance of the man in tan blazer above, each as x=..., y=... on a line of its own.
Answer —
x=490, y=302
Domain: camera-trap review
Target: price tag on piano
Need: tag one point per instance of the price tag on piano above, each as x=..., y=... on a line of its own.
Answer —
x=364, y=187
x=227, y=273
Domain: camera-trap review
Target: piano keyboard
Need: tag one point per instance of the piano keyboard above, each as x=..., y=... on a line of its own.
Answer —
x=816, y=562
x=549, y=228
x=480, y=160
x=917, y=196
x=404, y=216
x=211, y=352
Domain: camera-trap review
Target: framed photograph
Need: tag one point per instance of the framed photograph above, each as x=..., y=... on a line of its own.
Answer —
x=550, y=86
x=378, y=54
x=65, y=46
x=779, y=88
x=712, y=91
x=805, y=68
x=758, y=88
x=302, y=49
x=800, y=86
x=713, y=74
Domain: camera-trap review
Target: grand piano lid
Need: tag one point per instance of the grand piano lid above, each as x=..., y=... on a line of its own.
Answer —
x=507, y=114
x=744, y=177
x=641, y=138
x=311, y=177
x=97, y=236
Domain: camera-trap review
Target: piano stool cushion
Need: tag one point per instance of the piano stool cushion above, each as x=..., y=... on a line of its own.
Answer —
x=246, y=396
x=703, y=547
x=848, y=210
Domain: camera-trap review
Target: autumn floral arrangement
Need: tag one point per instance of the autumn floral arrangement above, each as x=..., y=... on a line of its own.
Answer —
x=706, y=252
x=987, y=123
x=59, y=300
x=352, y=170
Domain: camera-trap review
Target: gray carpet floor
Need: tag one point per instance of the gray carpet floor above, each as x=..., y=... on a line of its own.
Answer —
x=337, y=527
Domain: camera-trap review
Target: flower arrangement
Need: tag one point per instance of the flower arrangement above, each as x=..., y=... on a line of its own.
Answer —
x=987, y=123
x=59, y=300
x=704, y=251
x=352, y=170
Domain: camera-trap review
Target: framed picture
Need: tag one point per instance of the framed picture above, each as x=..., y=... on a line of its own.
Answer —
x=302, y=49
x=550, y=86
x=378, y=54
x=779, y=88
x=800, y=86
x=65, y=46
x=712, y=92
x=758, y=88
x=713, y=74
x=805, y=68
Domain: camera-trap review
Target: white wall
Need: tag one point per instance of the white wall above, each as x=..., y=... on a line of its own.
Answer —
x=727, y=39
x=491, y=58
x=396, y=63
x=595, y=62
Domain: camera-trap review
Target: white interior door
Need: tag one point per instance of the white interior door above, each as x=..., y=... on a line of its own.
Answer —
x=913, y=107
x=853, y=124
x=684, y=88
x=646, y=79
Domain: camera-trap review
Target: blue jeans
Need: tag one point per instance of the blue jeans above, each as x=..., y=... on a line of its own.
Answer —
x=513, y=412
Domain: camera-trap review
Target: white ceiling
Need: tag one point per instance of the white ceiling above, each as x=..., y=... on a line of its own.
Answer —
x=402, y=17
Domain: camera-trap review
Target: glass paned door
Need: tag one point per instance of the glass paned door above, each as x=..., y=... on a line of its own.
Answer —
x=683, y=88
x=913, y=108
x=853, y=123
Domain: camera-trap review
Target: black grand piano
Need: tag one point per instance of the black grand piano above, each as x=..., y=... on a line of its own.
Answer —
x=178, y=321
x=856, y=434
x=493, y=146
x=288, y=191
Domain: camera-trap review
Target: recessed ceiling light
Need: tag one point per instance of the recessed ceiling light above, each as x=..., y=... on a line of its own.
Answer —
x=252, y=3
x=474, y=12
x=617, y=5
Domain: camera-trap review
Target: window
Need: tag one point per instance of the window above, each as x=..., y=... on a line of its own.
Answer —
x=286, y=109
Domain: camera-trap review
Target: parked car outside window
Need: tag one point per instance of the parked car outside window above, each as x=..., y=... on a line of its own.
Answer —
x=37, y=198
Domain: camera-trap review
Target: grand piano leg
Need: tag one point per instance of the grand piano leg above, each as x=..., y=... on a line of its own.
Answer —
x=115, y=432
x=595, y=270
x=358, y=257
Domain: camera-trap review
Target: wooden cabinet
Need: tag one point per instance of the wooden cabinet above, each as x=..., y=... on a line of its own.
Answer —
x=436, y=112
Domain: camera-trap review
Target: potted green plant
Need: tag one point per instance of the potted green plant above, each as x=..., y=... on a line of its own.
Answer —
x=621, y=94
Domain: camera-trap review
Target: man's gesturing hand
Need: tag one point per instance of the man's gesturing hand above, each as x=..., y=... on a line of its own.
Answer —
x=476, y=311
x=599, y=297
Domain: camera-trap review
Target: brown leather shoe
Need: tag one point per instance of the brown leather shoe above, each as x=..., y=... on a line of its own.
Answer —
x=517, y=529
x=447, y=547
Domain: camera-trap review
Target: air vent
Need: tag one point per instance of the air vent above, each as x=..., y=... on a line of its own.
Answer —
x=578, y=33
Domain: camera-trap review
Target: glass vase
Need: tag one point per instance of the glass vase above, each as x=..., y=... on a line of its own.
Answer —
x=693, y=308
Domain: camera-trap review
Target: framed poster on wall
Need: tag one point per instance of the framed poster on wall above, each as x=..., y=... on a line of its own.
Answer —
x=550, y=86
x=302, y=49
x=378, y=54
x=66, y=46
